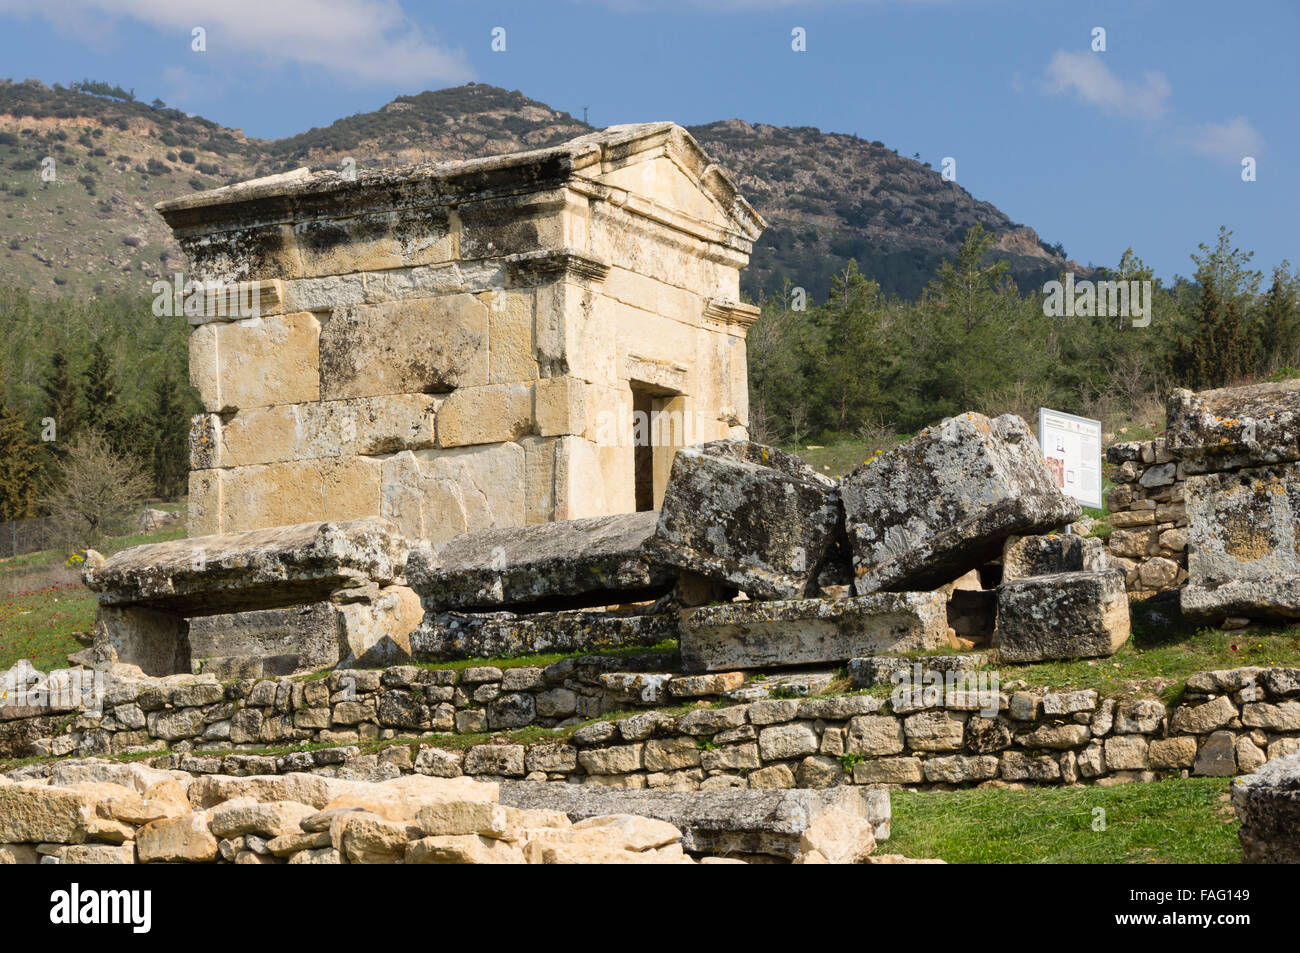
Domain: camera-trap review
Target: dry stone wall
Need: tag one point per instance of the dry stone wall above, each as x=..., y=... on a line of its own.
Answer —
x=1148, y=516
x=1226, y=723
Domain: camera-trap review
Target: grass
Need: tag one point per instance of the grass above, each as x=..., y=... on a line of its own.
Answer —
x=42, y=602
x=1176, y=821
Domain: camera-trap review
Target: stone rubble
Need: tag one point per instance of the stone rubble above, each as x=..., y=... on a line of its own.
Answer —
x=417, y=819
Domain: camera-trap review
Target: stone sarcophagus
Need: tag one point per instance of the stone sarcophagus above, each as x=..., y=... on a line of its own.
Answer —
x=467, y=345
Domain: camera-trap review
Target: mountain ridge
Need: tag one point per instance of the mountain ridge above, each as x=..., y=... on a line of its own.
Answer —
x=827, y=197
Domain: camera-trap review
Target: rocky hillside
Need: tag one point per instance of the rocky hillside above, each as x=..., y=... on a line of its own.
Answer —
x=828, y=197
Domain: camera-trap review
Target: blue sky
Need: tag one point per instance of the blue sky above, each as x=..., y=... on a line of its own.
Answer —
x=1139, y=145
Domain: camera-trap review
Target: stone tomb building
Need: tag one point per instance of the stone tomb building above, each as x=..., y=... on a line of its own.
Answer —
x=465, y=345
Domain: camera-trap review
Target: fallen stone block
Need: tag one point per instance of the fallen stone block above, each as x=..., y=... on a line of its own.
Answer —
x=1233, y=427
x=1267, y=803
x=581, y=563
x=487, y=635
x=945, y=501
x=734, y=822
x=1068, y=615
x=148, y=594
x=749, y=635
x=748, y=516
x=258, y=569
x=1243, y=545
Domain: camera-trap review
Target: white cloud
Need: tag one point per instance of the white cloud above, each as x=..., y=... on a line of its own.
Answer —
x=370, y=41
x=1087, y=77
x=1230, y=141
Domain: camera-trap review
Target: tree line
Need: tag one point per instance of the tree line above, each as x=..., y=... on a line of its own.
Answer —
x=873, y=365
x=102, y=376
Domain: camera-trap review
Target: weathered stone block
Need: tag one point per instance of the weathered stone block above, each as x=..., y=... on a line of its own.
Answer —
x=747, y=635
x=746, y=515
x=1233, y=427
x=422, y=345
x=465, y=635
x=945, y=501
x=1267, y=803
x=1243, y=544
x=257, y=362
x=594, y=561
x=1046, y=555
x=1068, y=615
x=731, y=822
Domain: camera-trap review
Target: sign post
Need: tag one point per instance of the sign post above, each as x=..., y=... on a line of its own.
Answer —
x=1072, y=448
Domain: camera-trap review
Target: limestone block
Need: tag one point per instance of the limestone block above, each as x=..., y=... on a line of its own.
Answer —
x=204, y=507
x=1042, y=555
x=377, y=630
x=1063, y=616
x=373, y=242
x=597, y=559
x=945, y=501
x=256, y=362
x=560, y=406
x=494, y=413
x=156, y=641
x=731, y=822
x=1269, y=811
x=298, y=491
x=1233, y=427
x=1243, y=549
x=746, y=515
x=473, y=635
x=280, y=641
x=334, y=428
x=749, y=635
x=511, y=344
x=437, y=494
x=237, y=571
x=413, y=346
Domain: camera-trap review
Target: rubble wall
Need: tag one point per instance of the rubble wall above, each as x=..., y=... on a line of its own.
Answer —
x=1148, y=516
x=1226, y=723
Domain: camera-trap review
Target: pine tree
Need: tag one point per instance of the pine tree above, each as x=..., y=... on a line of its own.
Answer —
x=99, y=389
x=1279, y=323
x=1222, y=349
x=61, y=396
x=168, y=429
x=19, y=464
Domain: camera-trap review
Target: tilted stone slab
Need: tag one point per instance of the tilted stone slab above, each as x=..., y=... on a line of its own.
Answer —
x=746, y=515
x=1267, y=803
x=451, y=635
x=756, y=635
x=737, y=821
x=257, y=569
x=1234, y=427
x=945, y=501
x=597, y=560
x=1068, y=615
x=1243, y=544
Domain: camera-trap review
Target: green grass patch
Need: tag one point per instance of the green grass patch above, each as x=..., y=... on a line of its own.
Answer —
x=1176, y=821
x=42, y=602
